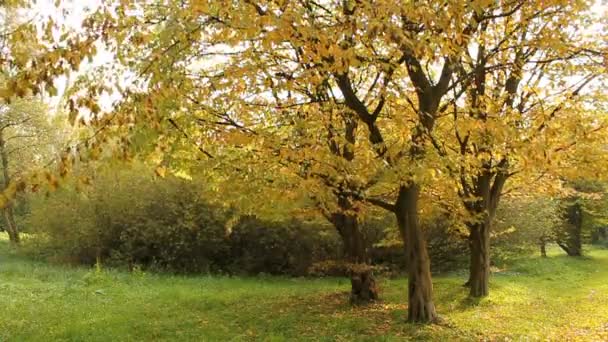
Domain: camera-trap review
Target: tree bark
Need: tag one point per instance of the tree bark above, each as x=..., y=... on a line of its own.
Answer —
x=11, y=226
x=571, y=240
x=9, y=218
x=487, y=187
x=420, y=286
x=363, y=283
x=570, y=251
x=479, y=268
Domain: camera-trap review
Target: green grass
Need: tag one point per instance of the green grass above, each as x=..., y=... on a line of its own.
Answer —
x=557, y=298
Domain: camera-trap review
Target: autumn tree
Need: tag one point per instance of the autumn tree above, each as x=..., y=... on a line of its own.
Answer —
x=533, y=72
x=192, y=108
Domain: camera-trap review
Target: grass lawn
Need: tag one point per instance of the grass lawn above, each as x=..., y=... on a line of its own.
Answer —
x=557, y=298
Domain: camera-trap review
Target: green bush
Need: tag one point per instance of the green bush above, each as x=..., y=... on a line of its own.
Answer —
x=64, y=227
x=129, y=218
x=290, y=247
x=447, y=248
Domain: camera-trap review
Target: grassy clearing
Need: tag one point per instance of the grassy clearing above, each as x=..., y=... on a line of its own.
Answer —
x=557, y=298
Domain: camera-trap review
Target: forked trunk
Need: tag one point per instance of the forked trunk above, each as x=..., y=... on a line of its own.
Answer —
x=11, y=227
x=487, y=187
x=363, y=282
x=420, y=286
x=479, y=268
x=571, y=250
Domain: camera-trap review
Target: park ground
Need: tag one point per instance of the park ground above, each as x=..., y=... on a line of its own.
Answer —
x=556, y=298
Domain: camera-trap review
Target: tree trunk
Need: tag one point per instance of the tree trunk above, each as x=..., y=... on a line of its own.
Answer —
x=363, y=282
x=570, y=250
x=479, y=268
x=487, y=187
x=363, y=285
x=420, y=286
x=570, y=240
x=11, y=226
x=543, y=248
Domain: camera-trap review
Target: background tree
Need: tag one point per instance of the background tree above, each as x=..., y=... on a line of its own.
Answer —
x=526, y=221
x=579, y=209
x=24, y=146
x=32, y=54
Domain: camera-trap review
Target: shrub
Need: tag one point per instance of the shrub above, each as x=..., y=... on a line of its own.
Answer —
x=447, y=248
x=128, y=218
x=280, y=247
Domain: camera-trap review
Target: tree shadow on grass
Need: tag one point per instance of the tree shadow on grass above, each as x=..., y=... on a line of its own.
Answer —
x=336, y=305
x=331, y=313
